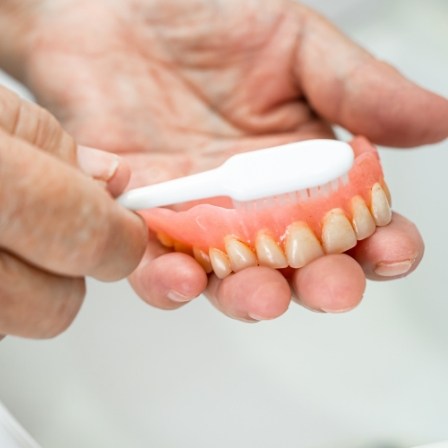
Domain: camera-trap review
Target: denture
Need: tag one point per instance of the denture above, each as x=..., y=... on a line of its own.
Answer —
x=289, y=232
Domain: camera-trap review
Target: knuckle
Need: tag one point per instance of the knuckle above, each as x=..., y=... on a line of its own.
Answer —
x=9, y=109
x=35, y=125
x=45, y=125
x=49, y=135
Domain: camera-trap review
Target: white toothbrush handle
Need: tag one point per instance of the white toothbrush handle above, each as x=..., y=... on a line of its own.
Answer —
x=184, y=189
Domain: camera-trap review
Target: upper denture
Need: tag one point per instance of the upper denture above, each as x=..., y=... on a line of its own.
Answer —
x=231, y=239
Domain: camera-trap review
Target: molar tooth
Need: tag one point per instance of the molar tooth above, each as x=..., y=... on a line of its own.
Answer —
x=239, y=254
x=220, y=263
x=362, y=221
x=203, y=259
x=337, y=233
x=380, y=206
x=301, y=245
x=269, y=252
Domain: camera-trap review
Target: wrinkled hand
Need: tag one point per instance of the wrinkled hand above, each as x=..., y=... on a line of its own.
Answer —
x=57, y=225
x=178, y=86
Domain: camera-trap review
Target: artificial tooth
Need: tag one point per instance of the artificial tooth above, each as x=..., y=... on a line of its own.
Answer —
x=239, y=254
x=220, y=263
x=203, y=259
x=337, y=233
x=387, y=191
x=164, y=239
x=362, y=221
x=380, y=206
x=269, y=252
x=301, y=245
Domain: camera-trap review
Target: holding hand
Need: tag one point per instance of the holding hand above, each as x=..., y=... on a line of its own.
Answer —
x=57, y=225
x=176, y=87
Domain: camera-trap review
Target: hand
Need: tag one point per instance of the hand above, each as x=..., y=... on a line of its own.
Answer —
x=177, y=86
x=57, y=225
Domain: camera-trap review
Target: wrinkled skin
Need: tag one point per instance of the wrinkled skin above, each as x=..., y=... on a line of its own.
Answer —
x=48, y=239
x=176, y=86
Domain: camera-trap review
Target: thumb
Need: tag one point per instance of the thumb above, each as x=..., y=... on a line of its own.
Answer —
x=348, y=86
x=106, y=167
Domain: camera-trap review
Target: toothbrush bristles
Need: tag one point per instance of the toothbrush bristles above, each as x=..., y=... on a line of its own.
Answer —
x=289, y=199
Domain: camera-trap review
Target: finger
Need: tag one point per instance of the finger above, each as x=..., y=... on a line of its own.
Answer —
x=35, y=125
x=34, y=303
x=348, y=86
x=56, y=218
x=106, y=167
x=391, y=252
x=166, y=279
x=254, y=294
x=331, y=284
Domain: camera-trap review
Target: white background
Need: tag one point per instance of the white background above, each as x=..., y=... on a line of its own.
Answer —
x=127, y=375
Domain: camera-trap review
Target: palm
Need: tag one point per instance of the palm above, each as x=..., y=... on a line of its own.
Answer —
x=174, y=93
x=178, y=85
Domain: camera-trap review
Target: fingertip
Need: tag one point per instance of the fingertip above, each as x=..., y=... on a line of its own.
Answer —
x=253, y=294
x=332, y=284
x=392, y=252
x=169, y=281
x=270, y=300
x=120, y=179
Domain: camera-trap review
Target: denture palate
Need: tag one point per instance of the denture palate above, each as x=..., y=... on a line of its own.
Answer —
x=300, y=245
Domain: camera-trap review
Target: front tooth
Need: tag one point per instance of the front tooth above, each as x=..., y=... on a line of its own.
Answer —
x=203, y=259
x=239, y=254
x=269, y=252
x=362, y=221
x=380, y=206
x=301, y=245
x=337, y=233
x=220, y=263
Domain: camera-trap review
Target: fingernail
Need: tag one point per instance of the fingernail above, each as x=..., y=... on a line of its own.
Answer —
x=101, y=165
x=256, y=317
x=336, y=310
x=393, y=269
x=309, y=308
x=248, y=320
x=177, y=297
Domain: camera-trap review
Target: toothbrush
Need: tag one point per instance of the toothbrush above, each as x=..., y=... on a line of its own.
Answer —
x=254, y=175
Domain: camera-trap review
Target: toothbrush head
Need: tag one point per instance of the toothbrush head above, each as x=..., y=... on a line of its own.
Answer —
x=301, y=168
